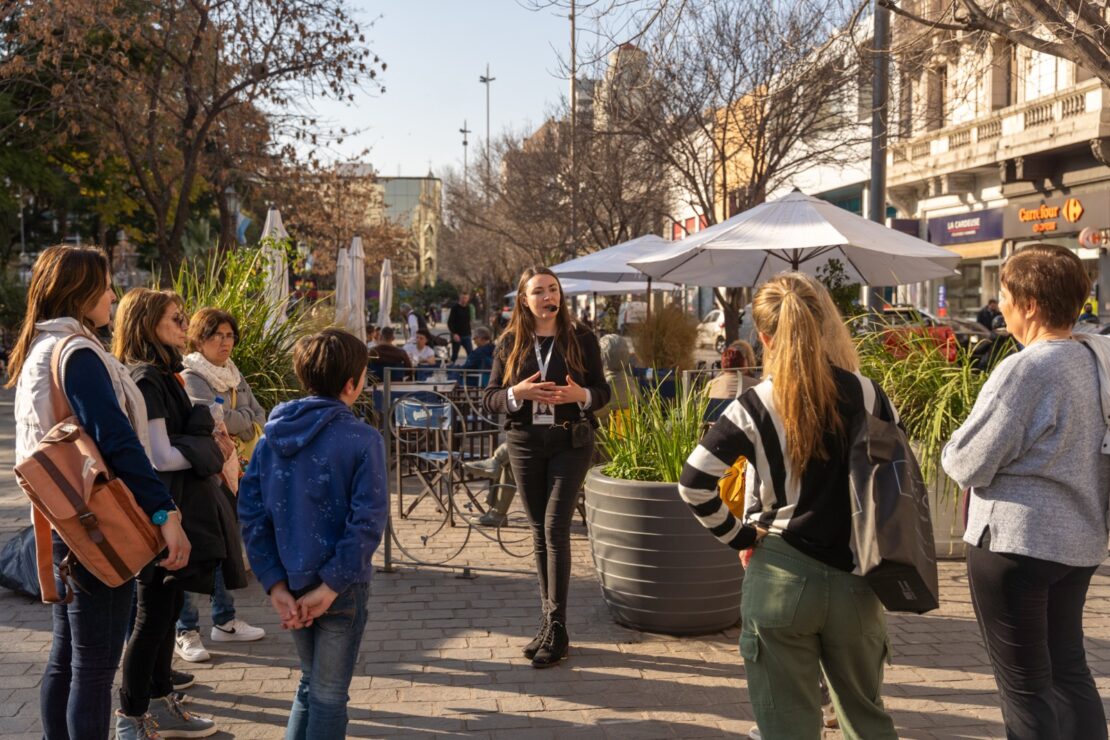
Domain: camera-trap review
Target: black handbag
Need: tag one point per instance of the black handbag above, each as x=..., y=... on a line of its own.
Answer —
x=892, y=529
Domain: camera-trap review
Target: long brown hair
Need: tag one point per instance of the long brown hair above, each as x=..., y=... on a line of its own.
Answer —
x=790, y=309
x=522, y=328
x=65, y=282
x=136, y=339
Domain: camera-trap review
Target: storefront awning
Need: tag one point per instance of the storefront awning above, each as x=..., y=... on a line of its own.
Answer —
x=977, y=250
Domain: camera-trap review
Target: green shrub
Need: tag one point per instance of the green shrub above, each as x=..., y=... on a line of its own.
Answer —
x=234, y=282
x=933, y=396
x=651, y=440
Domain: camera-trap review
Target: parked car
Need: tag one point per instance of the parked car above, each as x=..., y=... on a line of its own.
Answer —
x=899, y=323
x=711, y=330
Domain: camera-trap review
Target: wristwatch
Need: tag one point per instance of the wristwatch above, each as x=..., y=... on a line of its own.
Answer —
x=159, y=517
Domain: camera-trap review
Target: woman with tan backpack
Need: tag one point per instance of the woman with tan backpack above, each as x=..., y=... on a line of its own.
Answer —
x=70, y=296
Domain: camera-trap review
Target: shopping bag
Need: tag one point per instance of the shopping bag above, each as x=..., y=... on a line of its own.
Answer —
x=892, y=529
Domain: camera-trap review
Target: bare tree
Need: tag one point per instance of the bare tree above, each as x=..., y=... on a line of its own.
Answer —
x=1076, y=30
x=154, y=79
x=738, y=97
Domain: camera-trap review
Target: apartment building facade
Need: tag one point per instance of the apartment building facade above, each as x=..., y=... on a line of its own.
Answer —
x=995, y=146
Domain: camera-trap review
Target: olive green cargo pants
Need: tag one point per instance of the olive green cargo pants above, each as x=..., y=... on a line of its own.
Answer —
x=799, y=617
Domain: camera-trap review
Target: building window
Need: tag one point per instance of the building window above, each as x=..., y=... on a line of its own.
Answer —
x=864, y=73
x=690, y=225
x=1003, y=74
x=905, y=105
x=676, y=231
x=937, y=114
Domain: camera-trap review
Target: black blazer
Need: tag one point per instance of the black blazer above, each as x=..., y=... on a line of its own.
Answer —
x=496, y=398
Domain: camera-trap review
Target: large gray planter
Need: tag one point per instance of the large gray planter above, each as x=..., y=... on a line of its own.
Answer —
x=660, y=570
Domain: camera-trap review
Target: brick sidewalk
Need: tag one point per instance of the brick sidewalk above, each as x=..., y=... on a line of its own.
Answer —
x=441, y=659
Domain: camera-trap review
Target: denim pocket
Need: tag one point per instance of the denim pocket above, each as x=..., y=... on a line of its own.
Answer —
x=770, y=598
x=346, y=610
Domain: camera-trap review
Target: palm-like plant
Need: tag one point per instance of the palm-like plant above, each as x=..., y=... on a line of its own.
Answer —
x=234, y=282
x=651, y=440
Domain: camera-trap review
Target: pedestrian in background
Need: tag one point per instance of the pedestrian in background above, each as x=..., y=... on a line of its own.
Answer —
x=549, y=380
x=458, y=323
x=1031, y=454
x=70, y=293
x=804, y=610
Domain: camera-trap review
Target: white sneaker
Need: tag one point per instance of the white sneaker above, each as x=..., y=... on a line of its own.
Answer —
x=754, y=733
x=189, y=647
x=236, y=631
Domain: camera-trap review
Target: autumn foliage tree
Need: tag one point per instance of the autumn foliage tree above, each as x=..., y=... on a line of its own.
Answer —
x=154, y=81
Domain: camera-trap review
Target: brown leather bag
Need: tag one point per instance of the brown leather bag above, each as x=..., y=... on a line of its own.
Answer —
x=73, y=491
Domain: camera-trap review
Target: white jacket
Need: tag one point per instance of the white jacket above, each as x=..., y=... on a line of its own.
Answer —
x=34, y=413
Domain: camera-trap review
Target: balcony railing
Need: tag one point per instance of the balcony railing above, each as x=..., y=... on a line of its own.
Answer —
x=1011, y=121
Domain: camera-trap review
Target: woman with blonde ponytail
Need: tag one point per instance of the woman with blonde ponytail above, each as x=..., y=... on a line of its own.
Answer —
x=804, y=612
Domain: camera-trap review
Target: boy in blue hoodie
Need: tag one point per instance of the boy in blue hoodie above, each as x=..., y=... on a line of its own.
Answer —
x=313, y=506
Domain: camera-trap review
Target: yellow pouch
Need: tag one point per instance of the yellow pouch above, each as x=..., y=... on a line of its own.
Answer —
x=731, y=487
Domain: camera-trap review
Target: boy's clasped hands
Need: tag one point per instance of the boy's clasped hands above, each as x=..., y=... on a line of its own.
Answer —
x=297, y=613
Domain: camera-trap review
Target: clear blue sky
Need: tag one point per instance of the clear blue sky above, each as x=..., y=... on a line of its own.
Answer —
x=436, y=50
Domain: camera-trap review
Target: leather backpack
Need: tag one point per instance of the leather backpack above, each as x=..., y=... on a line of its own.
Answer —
x=73, y=491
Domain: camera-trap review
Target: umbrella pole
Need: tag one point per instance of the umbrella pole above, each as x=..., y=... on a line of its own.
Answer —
x=593, y=310
x=648, y=319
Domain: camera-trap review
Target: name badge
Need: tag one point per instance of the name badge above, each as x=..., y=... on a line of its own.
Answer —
x=542, y=414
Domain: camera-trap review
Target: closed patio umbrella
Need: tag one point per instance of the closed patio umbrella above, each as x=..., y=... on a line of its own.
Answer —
x=385, y=291
x=342, y=288
x=276, y=292
x=357, y=302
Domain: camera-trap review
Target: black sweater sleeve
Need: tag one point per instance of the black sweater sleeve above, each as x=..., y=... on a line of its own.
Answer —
x=600, y=392
x=496, y=398
x=89, y=390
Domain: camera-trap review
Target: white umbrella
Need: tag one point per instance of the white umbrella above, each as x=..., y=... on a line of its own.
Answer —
x=798, y=232
x=603, y=287
x=611, y=264
x=276, y=292
x=357, y=318
x=385, y=295
x=342, y=288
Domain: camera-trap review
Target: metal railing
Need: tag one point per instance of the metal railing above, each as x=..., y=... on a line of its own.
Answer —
x=426, y=461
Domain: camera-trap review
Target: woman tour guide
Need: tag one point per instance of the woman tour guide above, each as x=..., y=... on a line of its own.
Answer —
x=548, y=379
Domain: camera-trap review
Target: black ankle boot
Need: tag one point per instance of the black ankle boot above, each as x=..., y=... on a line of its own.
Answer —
x=531, y=648
x=554, y=647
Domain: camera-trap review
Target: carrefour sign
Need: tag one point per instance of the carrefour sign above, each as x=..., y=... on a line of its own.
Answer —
x=1049, y=217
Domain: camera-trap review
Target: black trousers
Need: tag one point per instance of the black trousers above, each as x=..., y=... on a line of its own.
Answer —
x=147, y=660
x=549, y=473
x=1031, y=614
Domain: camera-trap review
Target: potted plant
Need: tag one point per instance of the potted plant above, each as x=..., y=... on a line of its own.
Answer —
x=659, y=569
x=934, y=397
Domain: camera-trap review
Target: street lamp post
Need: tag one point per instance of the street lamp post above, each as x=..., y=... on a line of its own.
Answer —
x=485, y=80
x=464, y=131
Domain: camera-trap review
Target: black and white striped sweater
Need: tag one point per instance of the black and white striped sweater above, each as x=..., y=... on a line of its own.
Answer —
x=812, y=513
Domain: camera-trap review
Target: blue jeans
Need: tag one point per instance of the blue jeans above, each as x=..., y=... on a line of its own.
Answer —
x=223, y=607
x=76, y=691
x=328, y=651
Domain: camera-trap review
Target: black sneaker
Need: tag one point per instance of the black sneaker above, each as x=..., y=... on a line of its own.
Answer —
x=492, y=519
x=531, y=648
x=182, y=680
x=554, y=647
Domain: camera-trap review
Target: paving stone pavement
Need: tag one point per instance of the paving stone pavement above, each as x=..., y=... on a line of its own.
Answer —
x=441, y=659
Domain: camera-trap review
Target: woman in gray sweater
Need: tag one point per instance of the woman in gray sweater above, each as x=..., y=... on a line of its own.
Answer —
x=210, y=372
x=1030, y=453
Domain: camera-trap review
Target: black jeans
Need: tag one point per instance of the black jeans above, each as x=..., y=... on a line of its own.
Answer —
x=149, y=654
x=1031, y=614
x=549, y=473
x=76, y=690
